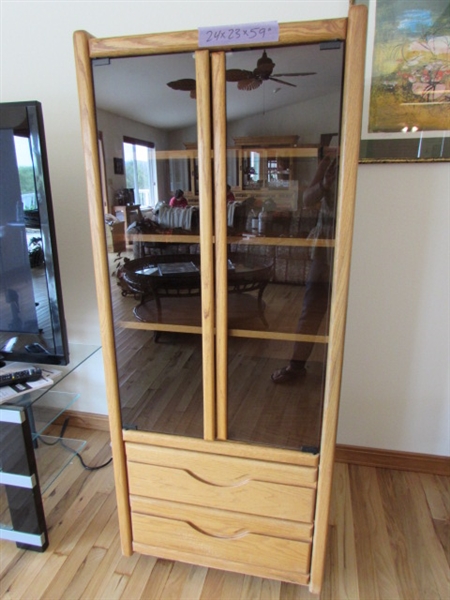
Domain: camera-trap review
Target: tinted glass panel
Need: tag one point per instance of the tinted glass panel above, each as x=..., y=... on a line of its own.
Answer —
x=153, y=237
x=281, y=227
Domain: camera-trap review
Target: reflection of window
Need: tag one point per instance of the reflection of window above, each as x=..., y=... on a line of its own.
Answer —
x=140, y=170
x=278, y=172
x=251, y=170
x=272, y=167
x=101, y=153
x=254, y=164
x=26, y=172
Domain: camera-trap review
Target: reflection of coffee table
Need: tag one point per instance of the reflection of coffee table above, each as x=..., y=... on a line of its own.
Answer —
x=169, y=289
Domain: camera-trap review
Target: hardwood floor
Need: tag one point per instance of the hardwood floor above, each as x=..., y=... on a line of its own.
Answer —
x=389, y=538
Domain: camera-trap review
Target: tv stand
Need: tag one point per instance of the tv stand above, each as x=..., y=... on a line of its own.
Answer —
x=26, y=469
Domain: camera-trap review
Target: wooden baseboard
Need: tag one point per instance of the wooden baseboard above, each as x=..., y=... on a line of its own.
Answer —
x=354, y=455
x=84, y=420
x=392, y=459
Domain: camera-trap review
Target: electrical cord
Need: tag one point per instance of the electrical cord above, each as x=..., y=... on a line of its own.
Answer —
x=77, y=454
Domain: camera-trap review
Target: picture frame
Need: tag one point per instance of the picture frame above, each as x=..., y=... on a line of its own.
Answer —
x=406, y=108
x=118, y=166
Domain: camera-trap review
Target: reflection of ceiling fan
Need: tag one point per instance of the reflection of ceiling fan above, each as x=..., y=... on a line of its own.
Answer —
x=246, y=80
x=250, y=80
x=185, y=85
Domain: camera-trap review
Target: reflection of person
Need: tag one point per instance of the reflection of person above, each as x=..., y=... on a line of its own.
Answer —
x=178, y=200
x=322, y=192
x=230, y=195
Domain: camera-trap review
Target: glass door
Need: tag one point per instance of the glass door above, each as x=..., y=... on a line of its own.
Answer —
x=155, y=285
x=275, y=241
x=221, y=300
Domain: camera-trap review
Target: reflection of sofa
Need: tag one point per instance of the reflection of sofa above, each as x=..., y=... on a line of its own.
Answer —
x=169, y=217
x=291, y=264
x=173, y=220
x=177, y=220
x=186, y=219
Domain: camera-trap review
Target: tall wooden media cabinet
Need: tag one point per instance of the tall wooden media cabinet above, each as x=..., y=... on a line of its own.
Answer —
x=223, y=348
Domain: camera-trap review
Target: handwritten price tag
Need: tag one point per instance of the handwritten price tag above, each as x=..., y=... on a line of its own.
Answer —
x=234, y=35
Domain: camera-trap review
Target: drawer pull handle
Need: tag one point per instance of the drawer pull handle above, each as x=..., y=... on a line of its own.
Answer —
x=244, y=480
x=230, y=536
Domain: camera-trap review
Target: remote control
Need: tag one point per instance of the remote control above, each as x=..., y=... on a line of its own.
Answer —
x=36, y=349
x=31, y=374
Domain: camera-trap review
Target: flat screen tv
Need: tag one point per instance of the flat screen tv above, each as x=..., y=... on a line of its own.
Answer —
x=32, y=323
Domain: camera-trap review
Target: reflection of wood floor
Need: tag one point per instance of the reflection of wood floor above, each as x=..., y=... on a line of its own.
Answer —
x=161, y=385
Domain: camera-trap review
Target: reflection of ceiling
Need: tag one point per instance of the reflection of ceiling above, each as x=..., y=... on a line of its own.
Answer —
x=136, y=87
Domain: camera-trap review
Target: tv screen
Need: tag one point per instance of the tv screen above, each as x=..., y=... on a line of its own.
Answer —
x=32, y=323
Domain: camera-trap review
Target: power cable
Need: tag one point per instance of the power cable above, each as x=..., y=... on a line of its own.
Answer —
x=75, y=452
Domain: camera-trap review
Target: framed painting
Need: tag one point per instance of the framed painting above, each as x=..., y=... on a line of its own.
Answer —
x=406, y=114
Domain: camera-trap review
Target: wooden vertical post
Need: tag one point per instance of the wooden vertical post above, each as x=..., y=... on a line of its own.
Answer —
x=206, y=239
x=349, y=153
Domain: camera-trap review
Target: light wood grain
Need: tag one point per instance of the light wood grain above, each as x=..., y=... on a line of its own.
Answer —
x=92, y=167
x=222, y=470
x=427, y=464
x=378, y=516
x=229, y=448
x=205, y=178
x=220, y=183
x=187, y=41
x=270, y=552
x=276, y=500
x=220, y=522
x=169, y=397
x=351, y=130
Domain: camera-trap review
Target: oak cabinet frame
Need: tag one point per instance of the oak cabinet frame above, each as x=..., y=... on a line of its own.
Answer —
x=136, y=455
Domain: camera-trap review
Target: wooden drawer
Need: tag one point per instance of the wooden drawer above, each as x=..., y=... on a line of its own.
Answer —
x=221, y=523
x=241, y=551
x=229, y=483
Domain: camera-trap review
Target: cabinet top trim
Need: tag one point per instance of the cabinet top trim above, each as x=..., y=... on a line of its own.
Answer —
x=304, y=32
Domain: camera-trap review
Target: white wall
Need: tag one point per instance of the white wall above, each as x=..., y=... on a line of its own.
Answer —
x=395, y=391
x=302, y=119
x=395, y=381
